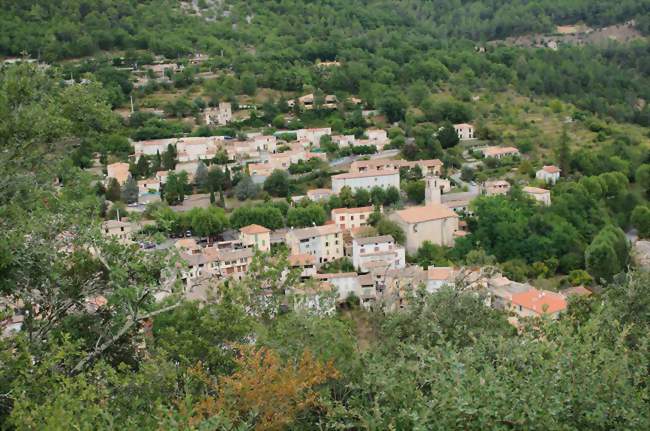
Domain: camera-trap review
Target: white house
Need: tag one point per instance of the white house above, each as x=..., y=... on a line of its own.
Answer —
x=344, y=141
x=148, y=185
x=438, y=277
x=549, y=174
x=366, y=180
x=119, y=171
x=540, y=195
x=325, y=243
x=464, y=131
x=495, y=187
x=377, y=251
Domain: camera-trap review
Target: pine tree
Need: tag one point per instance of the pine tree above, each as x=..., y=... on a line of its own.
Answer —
x=129, y=191
x=157, y=162
x=212, y=198
x=564, y=154
x=201, y=176
x=142, y=167
x=113, y=192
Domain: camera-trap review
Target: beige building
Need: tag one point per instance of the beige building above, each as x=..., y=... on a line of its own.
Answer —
x=540, y=195
x=496, y=187
x=122, y=230
x=428, y=167
x=350, y=218
x=464, y=131
x=434, y=222
x=325, y=243
x=256, y=236
x=499, y=152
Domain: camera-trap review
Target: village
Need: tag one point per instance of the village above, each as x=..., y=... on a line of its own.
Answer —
x=381, y=277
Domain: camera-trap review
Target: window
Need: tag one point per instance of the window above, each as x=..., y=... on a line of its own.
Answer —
x=342, y=218
x=362, y=216
x=351, y=217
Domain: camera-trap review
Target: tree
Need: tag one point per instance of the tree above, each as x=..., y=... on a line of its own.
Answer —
x=641, y=220
x=201, y=177
x=415, y=191
x=174, y=190
x=377, y=195
x=267, y=388
x=311, y=215
x=608, y=253
x=346, y=197
x=169, y=158
x=392, y=196
x=209, y=221
x=564, y=154
x=113, y=192
x=447, y=136
x=430, y=254
x=248, y=83
x=392, y=105
x=277, y=184
x=389, y=227
x=467, y=173
x=361, y=198
x=142, y=167
x=642, y=178
x=263, y=215
x=129, y=193
x=246, y=189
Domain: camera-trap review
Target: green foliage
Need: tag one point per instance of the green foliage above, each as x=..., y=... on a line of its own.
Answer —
x=263, y=215
x=129, y=193
x=246, y=189
x=277, y=184
x=430, y=254
x=641, y=220
x=336, y=266
x=388, y=227
x=306, y=216
x=608, y=254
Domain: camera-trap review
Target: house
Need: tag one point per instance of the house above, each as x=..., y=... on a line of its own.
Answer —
x=495, y=188
x=549, y=174
x=119, y=171
x=319, y=194
x=540, y=195
x=346, y=284
x=220, y=115
x=437, y=277
x=161, y=176
x=377, y=252
x=464, y=131
x=256, y=236
x=188, y=149
x=428, y=167
x=377, y=135
x=535, y=303
x=313, y=135
x=499, y=152
x=122, y=230
x=434, y=222
x=265, y=143
x=187, y=245
x=148, y=186
x=213, y=262
x=306, y=263
x=344, y=141
x=307, y=101
x=366, y=180
x=350, y=218
x=575, y=291
x=325, y=243
x=330, y=101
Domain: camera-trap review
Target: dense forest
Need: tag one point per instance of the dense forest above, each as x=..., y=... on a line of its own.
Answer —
x=147, y=358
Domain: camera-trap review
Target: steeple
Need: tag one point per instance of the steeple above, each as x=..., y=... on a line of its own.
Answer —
x=433, y=191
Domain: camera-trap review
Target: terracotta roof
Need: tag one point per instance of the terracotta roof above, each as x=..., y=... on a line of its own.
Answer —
x=551, y=169
x=425, y=213
x=374, y=239
x=440, y=273
x=540, y=301
x=535, y=190
x=187, y=243
x=319, y=191
x=254, y=229
x=495, y=151
x=309, y=232
x=301, y=259
x=351, y=175
x=353, y=210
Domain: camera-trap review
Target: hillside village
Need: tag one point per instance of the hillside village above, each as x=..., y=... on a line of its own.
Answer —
x=380, y=276
x=335, y=215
